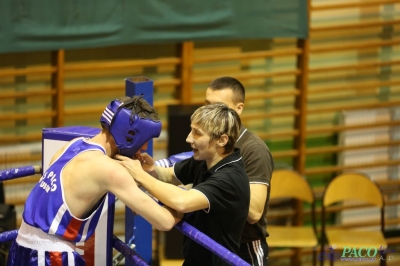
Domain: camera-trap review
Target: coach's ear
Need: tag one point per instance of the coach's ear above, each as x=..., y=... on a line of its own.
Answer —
x=239, y=108
x=222, y=140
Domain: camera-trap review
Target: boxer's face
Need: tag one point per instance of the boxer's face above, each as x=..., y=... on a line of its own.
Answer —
x=142, y=149
x=199, y=140
x=223, y=96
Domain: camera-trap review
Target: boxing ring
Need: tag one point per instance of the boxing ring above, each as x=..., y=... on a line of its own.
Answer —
x=138, y=231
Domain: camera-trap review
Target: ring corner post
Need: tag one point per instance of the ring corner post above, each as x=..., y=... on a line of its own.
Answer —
x=137, y=230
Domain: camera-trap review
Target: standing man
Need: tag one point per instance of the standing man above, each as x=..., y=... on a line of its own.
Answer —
x=259, y=166
x=66, y=204
x=218, y=202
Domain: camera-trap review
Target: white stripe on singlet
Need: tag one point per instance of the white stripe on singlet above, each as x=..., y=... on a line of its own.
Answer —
x=85, y=231
x=57, y=219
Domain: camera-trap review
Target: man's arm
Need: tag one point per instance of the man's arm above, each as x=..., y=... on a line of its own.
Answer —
x=166, y=175
x=161, y=173
x=171, y=195
x=258, y=196
x=116, y=179
x=177, y=198
x=259, y=166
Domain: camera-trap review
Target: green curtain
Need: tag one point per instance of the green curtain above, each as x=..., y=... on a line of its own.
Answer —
x=34, y=25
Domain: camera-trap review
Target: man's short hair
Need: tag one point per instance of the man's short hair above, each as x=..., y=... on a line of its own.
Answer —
x=232, y=84
x=140, y=106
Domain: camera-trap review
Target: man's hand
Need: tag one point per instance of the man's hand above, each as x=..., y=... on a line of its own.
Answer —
x=134, y=166
x=148, y=167
x=147, y=162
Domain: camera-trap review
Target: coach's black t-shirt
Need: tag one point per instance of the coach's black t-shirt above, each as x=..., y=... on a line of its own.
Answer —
x=226, y=187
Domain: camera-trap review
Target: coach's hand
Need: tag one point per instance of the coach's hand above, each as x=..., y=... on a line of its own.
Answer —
x=134, y=166
x=147, y=162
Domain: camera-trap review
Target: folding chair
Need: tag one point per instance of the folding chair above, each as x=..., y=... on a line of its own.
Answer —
x=353, y=242
x=288, y=184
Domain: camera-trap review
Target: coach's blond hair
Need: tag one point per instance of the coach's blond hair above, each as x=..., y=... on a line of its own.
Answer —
x=217, y=120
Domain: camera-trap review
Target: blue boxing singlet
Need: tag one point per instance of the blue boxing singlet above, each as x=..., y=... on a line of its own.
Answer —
x=45, y=207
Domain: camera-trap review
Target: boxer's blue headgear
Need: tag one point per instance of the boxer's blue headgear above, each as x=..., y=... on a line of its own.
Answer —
x=129, y=130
